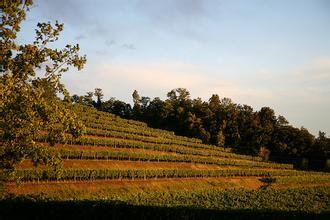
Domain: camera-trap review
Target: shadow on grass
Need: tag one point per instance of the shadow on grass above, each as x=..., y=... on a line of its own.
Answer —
x=36, y=209
x=268, y=182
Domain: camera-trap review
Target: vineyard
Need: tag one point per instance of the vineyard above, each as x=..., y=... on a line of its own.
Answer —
x=121, y=164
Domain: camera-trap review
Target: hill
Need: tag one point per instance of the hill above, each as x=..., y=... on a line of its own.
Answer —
x=121, y=165
x=224, y=123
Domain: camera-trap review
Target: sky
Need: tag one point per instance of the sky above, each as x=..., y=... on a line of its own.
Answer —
x=272, y=53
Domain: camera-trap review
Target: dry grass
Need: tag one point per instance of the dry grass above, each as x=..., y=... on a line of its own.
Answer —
x=124, y=186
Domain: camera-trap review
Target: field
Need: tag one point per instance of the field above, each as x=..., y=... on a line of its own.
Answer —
x=125, y=168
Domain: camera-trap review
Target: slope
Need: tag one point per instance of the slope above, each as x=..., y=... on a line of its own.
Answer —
x=119, y=159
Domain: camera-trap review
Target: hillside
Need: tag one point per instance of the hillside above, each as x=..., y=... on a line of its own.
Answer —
x=114, y=163
x=126, y=161
x=223, y=123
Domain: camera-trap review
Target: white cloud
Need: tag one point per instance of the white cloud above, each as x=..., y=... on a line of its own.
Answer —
x=155, y=79
x=318, y=69
x=302, y=101
x=158, y=78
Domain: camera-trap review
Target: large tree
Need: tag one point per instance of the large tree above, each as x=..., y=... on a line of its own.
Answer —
x=137, y=105
x=30, y=88
x=99, y=95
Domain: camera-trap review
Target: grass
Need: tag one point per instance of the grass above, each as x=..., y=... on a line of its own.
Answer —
x=105, y=189
x=309, y=203
x=300, y=195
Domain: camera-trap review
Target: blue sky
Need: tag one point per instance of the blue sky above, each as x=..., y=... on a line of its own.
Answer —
x=257, y=52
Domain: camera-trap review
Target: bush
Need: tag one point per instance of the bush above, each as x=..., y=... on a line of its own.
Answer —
x=264, y=153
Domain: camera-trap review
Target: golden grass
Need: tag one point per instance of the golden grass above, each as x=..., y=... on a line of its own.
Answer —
x=90, y=188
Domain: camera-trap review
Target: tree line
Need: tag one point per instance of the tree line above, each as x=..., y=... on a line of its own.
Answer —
x=218, y=121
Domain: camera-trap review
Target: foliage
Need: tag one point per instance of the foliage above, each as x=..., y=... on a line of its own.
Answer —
x=93, y=174
x=223, y=123
x=321, y=148
x=264, y=153
x=122, y=143
x=71, y=153
x=306, y=203
x=240, y=199
x=303, y=180
x=30, y=86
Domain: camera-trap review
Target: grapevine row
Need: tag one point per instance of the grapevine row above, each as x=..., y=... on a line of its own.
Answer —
x=142, y=131
x=91, y=115
x=150, y=146
x=94, y=174
x=110, y=155
x=150, y=139
x=86, y=110
x=310, y=179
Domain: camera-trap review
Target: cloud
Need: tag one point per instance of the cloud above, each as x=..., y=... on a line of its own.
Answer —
x=80, y=37
x=173, y=10
x=109, y=42
x=119, y=79
x=183, y=18
x=71, y=12
x=300, y=104
x=128, y=46
x=164, y=75
x=317, y=70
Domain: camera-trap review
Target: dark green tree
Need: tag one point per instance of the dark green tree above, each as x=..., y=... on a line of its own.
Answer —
x=136, y=105
x=99, y=96
x=88, y=99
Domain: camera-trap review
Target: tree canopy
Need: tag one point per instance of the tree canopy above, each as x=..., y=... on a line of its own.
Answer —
x=30, y=87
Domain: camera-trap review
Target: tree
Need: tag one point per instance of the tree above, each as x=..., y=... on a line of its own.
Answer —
x=137, y=105
x=29, y=102
x=321, y=147
x=75, y=98
x=145, y=102
x=107, y=105
x=220, y=139
x=214, y=102
x=88, y=99
x=264, y=153
x=155, y=113
x=121, y=108
x=268, y=122
x=281, y=121
x=229, y=113
x=99, y=95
